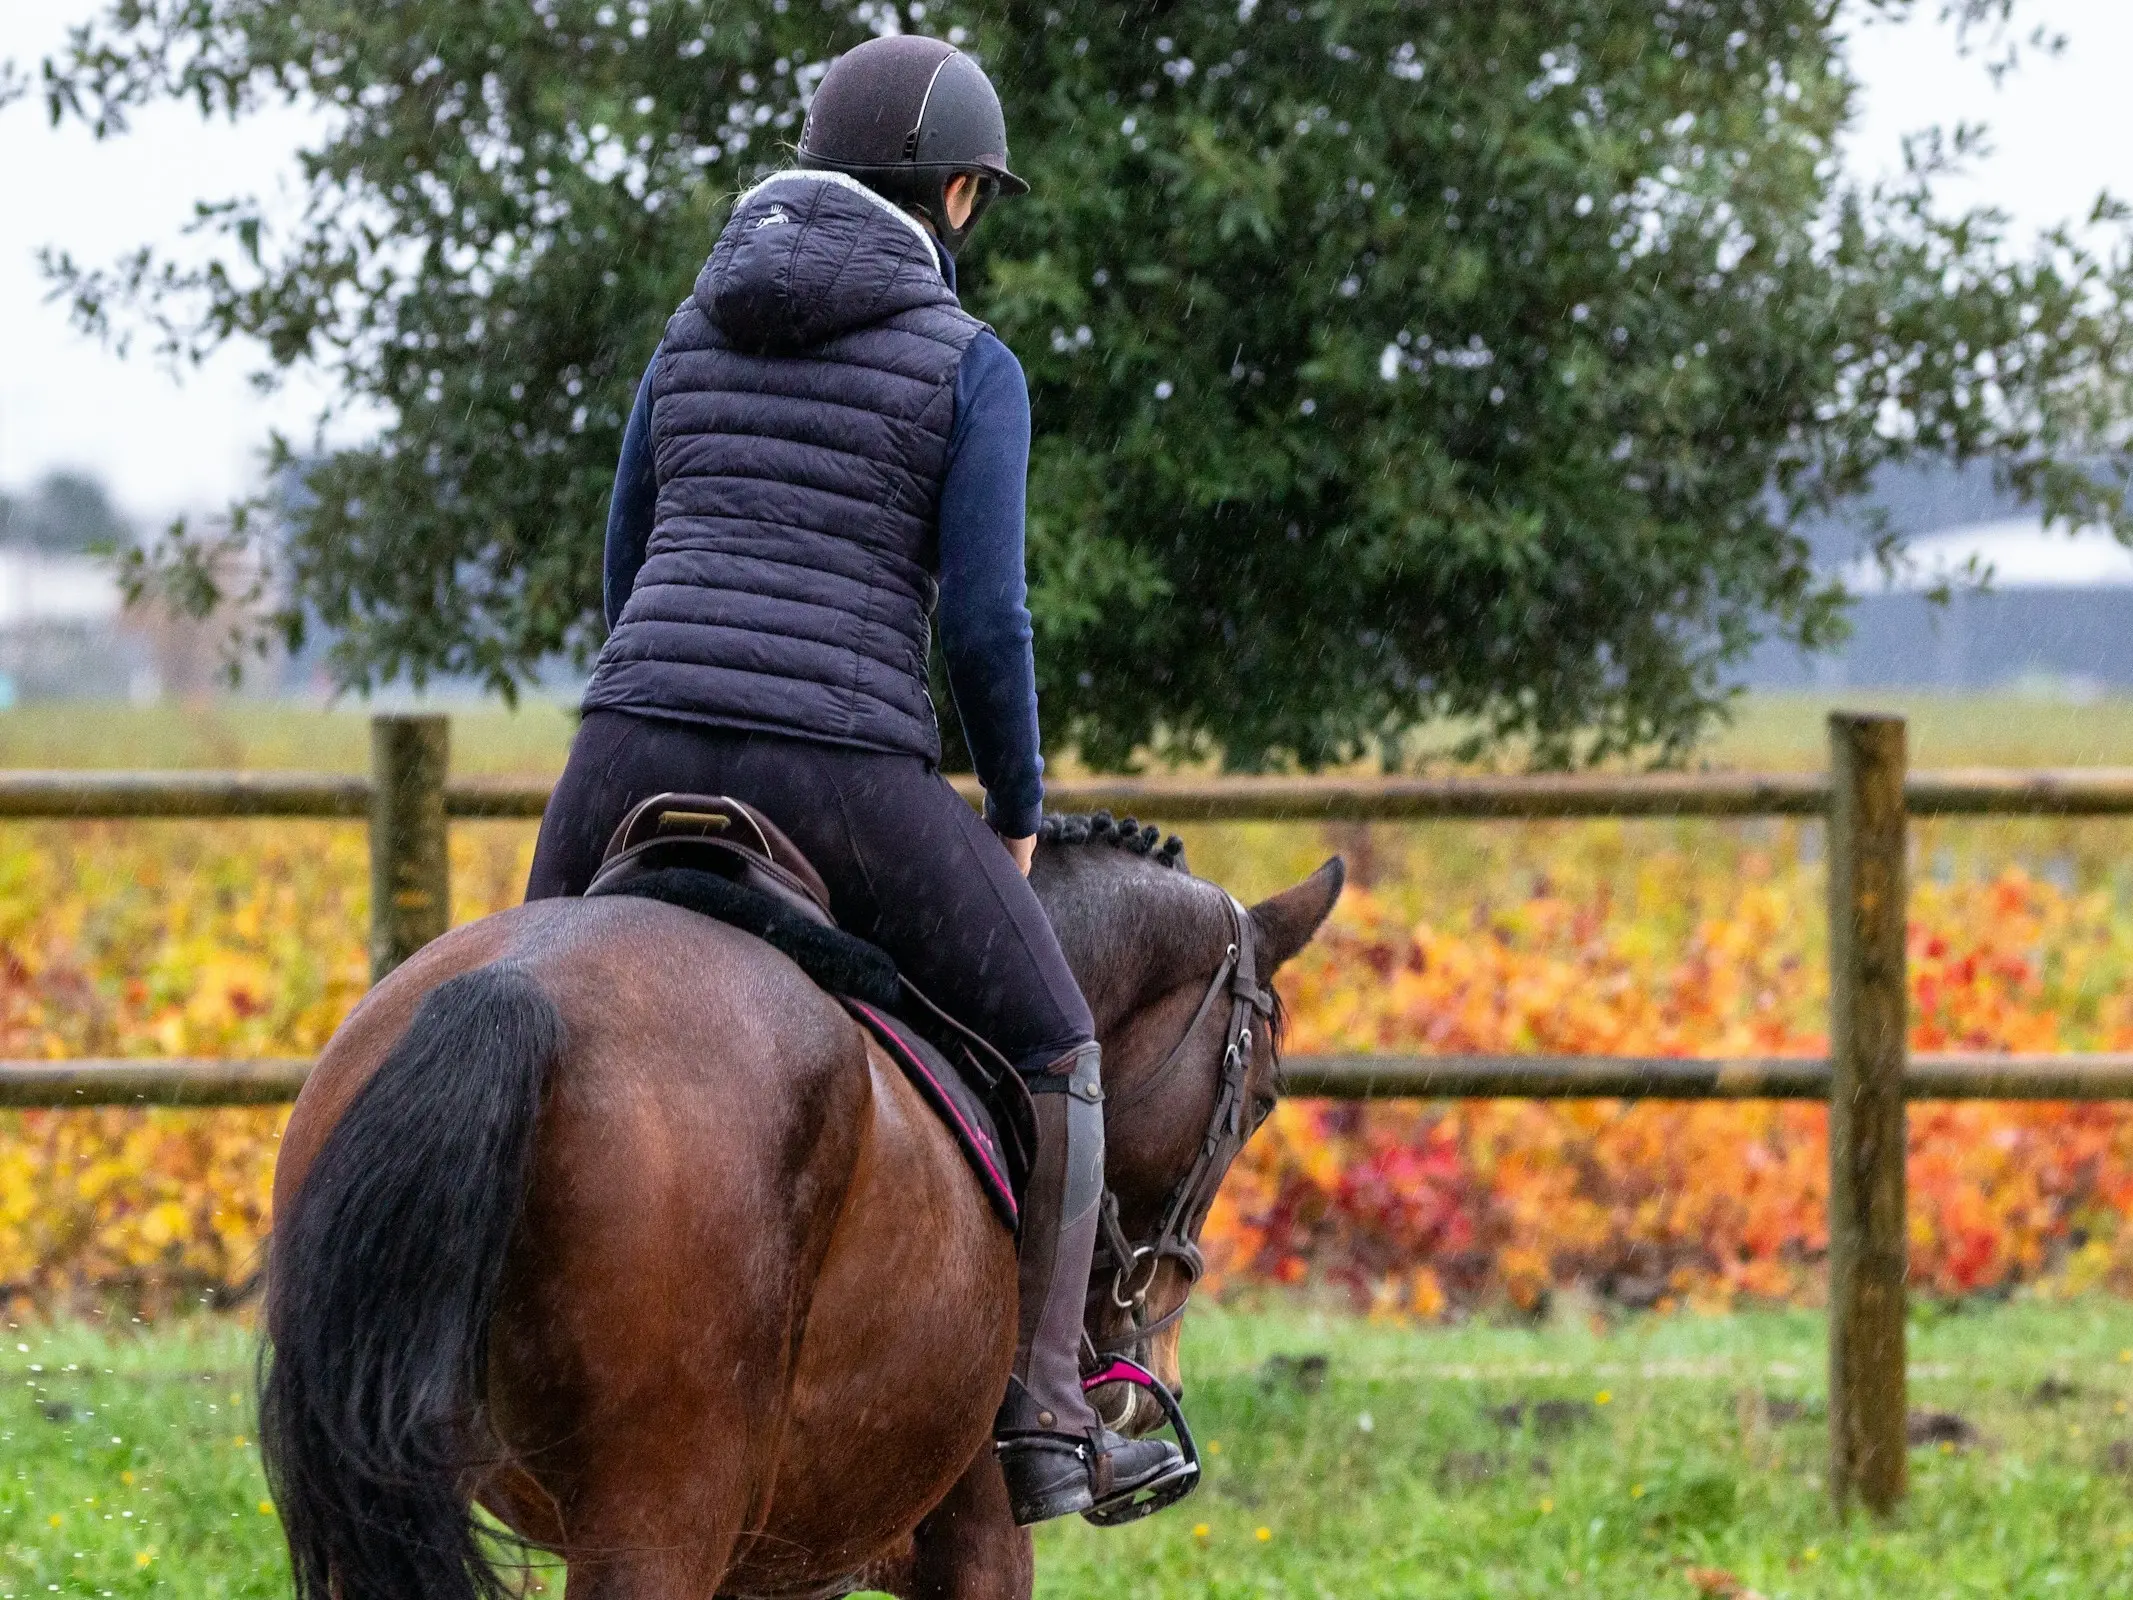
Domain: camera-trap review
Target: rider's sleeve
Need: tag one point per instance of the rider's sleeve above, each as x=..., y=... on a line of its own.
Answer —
x=984, y=609
x=629, y=510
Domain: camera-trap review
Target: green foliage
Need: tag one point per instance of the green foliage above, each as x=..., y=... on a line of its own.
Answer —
x=1391, y=362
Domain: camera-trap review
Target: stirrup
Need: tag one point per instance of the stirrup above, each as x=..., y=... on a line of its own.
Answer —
x=1146, y=1499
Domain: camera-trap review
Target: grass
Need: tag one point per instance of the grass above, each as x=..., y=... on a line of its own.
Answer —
x=1664, y=1457
x=487, y=741
x=1771, y=730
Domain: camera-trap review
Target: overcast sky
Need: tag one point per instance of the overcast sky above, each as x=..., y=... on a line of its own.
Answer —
x=2062, y=129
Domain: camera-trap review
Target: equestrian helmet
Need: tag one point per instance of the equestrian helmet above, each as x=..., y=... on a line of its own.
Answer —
x=905, y=115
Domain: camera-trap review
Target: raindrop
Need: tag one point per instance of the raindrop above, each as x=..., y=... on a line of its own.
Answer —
x=1163, y=390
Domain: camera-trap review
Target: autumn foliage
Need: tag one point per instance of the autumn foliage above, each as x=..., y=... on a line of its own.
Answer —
x=1424, y=1208
x=246, y=939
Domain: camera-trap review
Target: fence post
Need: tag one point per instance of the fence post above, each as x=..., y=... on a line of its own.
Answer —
x=1868, y=1002
x=410, y=870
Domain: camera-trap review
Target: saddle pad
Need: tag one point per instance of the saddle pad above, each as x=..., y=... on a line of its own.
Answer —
x=840, y=962
x=952, y=1100
x=864, y=979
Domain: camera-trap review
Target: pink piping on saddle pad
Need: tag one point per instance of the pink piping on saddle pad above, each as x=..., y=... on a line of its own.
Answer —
x=971, y=1136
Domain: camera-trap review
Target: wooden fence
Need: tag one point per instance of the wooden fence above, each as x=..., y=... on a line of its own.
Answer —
x=1865, y=800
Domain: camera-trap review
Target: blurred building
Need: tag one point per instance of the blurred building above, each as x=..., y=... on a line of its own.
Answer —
x=62, y=635
x=2056, y=614
x=65, y=630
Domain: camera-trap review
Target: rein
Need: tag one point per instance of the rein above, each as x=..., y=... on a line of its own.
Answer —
x=1134, y=1264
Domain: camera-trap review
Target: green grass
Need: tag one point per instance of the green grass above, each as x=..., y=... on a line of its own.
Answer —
x=1396, y=1477
x=127, y=1466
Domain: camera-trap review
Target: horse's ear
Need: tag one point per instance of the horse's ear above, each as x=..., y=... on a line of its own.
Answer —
x=1287, y=921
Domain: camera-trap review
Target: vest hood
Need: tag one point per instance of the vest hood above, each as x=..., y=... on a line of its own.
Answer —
x=809, y=256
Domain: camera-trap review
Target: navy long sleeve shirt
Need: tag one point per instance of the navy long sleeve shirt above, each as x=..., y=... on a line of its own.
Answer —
x=984, y=604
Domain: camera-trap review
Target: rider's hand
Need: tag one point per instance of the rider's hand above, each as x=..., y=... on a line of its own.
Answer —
x=1023, y=850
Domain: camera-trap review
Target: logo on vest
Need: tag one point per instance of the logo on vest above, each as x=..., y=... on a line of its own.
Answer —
x=775, y=217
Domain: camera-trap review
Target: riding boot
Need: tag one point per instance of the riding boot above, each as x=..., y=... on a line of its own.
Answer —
x=1058, y=1459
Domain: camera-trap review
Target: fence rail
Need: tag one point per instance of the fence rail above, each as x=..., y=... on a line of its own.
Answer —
x=275, y=1080
x=1959, y=792
x=408, y=802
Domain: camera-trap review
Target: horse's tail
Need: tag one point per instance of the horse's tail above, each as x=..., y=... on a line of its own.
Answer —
x=381, y=1288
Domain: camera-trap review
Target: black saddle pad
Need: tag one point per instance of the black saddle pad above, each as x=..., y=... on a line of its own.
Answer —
x=961, y=1093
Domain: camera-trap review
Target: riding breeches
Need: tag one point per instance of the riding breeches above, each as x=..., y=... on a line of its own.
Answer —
x=910, y=866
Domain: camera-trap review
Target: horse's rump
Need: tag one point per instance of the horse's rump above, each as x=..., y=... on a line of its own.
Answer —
x=718, y=1168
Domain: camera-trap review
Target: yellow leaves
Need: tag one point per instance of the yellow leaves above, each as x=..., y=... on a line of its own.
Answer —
x=224, y=939
x=163, y=1223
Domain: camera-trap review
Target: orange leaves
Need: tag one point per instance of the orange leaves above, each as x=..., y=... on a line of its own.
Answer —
x=1478, y=1204
x=247, y=939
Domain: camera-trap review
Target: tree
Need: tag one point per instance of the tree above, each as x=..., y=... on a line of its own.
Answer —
x=1392, y=361
x=67, y=513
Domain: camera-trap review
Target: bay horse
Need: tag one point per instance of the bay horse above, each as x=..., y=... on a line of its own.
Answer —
x=599, y=1215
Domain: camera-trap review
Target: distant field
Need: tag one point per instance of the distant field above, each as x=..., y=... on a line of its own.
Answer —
x=1672, y=1457
x=1769, y=731
x=486, y=740
x=1790, y=730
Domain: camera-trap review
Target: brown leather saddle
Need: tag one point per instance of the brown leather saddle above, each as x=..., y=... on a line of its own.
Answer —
x=722, y=858
x=713, y=833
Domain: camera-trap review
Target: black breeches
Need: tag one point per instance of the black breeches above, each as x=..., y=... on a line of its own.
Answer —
x=909, y=865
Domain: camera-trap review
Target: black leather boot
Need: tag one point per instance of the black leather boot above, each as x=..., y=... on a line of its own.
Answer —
x=1058, y=1459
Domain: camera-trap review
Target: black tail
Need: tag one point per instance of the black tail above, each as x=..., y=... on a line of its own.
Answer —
x=380, y=1294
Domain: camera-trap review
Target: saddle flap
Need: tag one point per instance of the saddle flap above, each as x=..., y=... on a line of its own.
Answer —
x=717, y=834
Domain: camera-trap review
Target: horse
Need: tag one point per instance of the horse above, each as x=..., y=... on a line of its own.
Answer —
x=598, y=1215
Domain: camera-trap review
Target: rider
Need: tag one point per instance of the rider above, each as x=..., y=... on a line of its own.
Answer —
x=824, y=446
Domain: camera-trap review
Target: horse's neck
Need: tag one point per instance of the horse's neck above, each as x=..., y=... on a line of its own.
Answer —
x=1128, y=927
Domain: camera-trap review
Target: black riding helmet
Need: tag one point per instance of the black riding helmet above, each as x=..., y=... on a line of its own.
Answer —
x=904, y=115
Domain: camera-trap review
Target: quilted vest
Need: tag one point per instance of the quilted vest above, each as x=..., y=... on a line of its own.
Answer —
x=801, y=407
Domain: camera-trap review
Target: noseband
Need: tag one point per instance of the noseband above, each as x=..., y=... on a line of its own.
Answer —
x=1134, y=1264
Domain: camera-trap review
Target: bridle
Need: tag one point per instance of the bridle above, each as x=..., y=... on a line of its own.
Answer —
x=1134, y=1264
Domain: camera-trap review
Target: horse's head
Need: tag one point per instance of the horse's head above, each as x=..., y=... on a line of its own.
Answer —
x=1179, y=976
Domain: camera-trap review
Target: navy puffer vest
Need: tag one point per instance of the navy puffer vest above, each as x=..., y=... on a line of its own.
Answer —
x=801, y=407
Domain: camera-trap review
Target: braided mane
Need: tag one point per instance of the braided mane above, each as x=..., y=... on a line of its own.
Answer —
x=1121, y=834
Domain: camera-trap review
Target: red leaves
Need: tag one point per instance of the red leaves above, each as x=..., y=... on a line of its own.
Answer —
x=1472, y=1204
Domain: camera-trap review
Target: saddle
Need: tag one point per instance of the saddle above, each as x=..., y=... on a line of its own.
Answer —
x=721, y=858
